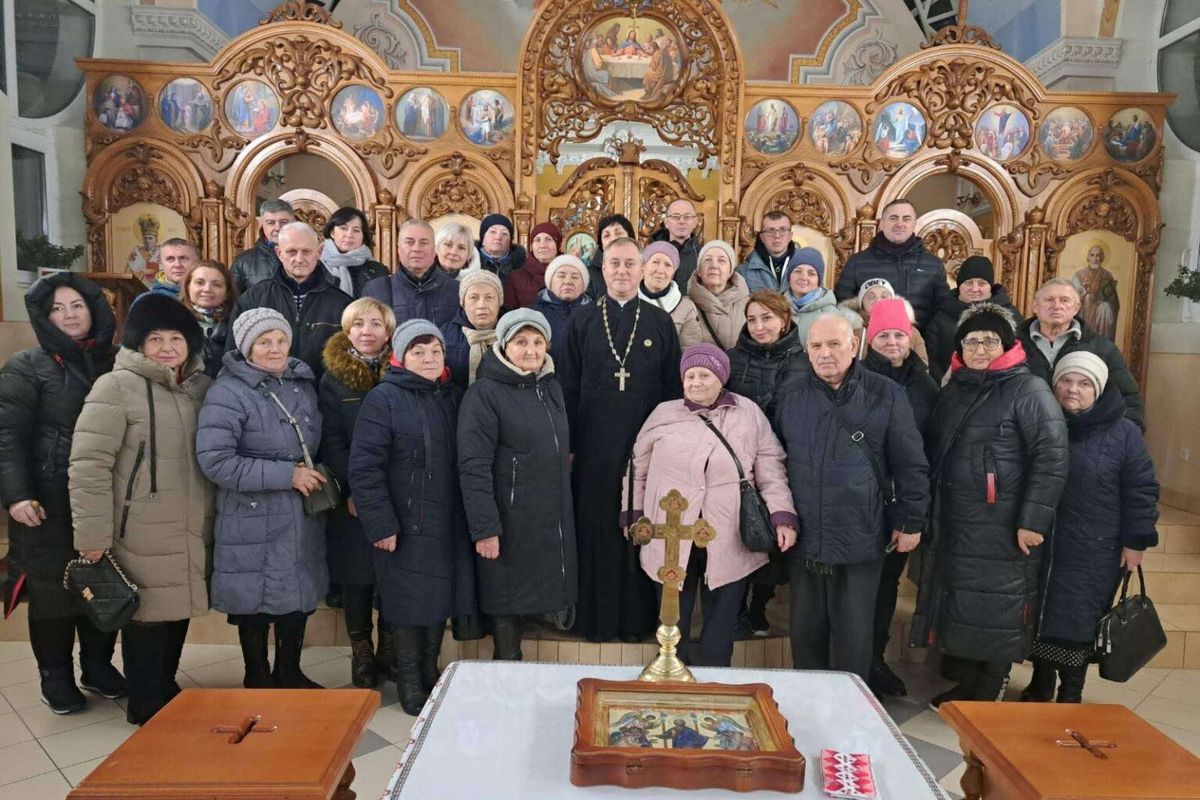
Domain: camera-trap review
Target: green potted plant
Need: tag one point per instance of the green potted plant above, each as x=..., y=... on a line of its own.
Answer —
x=38, y=253
x=1186, y=286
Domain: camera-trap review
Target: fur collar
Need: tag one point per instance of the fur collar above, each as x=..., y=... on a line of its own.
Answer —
x=347, y=369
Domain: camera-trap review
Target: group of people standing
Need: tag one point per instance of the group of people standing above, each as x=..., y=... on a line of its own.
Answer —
x=495, y=418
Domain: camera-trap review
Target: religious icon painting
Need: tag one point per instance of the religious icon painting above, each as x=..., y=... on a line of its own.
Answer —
x=582, y=245
x=422, y=114
x=251, y=108
x=358, y=113
x=631, y=58
x=899, y=130
x=185, y=106
x=486, y=117
x=836, y=128
x=1002, y=132
x=1066, y=134
x=772, y=126
x=1130, y=135
x=119, y=103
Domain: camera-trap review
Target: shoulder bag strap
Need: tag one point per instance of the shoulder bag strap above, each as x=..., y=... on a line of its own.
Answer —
x=860, y=439
x=308, y=461
x=736, y=462
x=708, y=325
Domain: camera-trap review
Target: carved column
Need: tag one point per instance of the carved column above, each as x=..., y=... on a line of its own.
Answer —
x=523, y=218
x=385, y=230
x=730, y=219
x=214, y=239
x=1034, y=257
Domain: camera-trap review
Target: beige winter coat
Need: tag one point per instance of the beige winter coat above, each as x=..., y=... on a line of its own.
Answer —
x=724, y=312
x=683, y=314
x=135, y=485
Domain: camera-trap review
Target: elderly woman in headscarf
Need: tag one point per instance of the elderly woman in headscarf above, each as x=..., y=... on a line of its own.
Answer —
x=522, y=285
x=802, y=277
x=719, y=293
x=473, y=329
x=566, y=291
x=660, y=262
x=1106, y=520
x=455, y=250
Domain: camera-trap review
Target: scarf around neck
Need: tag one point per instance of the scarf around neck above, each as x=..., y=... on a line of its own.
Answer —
x=339, y=263
x=668, y=299
x=804, y=299
x=480, y=341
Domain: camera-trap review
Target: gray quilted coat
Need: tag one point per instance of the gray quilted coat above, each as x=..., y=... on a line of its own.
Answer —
x=269, y=557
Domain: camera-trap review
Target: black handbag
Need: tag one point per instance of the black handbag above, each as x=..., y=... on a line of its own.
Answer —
x=108, y=597
x=754, y=520
x=328, y=495
x=1129, y=635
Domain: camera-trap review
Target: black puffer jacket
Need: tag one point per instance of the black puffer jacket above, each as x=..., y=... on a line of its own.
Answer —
x=516, y=482
x=364, y=273
x=913, y=376
x=757, y=371
x=999, y=455
x=1110, y=502
x=939, y=333
x=404, y=480
x=41, y=394
x=313, y=323
x=837, y=494
x=343, y=386
x=255, y=265
x=1090, y=341
x=688, y=252
x=915, y=274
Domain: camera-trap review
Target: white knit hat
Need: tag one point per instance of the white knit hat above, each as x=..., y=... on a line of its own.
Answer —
x=1089, y=365
x=468, y=279
x=567, y=260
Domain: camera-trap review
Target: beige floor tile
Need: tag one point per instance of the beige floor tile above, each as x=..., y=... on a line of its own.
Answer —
x=41, y=721
x=87, y=743
x=1096, y=690
x=1189, y=675
x=1187, y=739
x=1184, y=617
x=14, y=651
x=929, y=726
x=610, y=654
x=589, y=653
x=332, y=673
x=1179, y=691
x=18, y=671
x=547, y=651
x=392, y=723
x=631, y=655
x=1170, y=515
x=312, y=656
x=47, y=786
x=23, y=695
x=952, y=780
x=1144, y=682
x=21, y=761
x=13, y=729
x=77, y=772
x=1158, y=709
x=373, y=771
x=202, y=655
x=221, y=675
x=568, y=653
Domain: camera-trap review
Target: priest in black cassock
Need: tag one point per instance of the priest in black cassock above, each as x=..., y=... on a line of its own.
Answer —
x=621, y=360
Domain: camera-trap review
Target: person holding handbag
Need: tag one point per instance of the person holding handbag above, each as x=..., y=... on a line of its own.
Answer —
x=258, y=428
x=730, y=436
x=1105, y=521
x=136, y=490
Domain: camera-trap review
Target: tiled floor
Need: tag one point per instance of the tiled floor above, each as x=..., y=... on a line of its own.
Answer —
x=43, y=755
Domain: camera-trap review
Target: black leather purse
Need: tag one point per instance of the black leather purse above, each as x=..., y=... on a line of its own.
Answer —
x=328, y=495
x=107, y=596
x=754, y=520
x=1129, y=635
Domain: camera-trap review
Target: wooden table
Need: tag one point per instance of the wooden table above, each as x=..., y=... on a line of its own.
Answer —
x=239, y=743
x=1026, y=751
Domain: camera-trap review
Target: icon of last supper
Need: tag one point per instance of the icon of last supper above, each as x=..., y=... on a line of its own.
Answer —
x=624, y=58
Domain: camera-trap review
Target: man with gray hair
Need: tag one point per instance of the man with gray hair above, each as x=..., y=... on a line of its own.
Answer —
x=259, y=263
x=1056, y=329
x=417, y=290
x=303, y=291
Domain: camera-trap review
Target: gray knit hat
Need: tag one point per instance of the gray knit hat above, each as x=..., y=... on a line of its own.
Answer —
x=468, y=279
x=513, y=321
x=413, y=329
x=253, y=323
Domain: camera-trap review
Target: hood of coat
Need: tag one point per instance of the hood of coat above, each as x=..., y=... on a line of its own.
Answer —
x=135, y=362
x=236, y=365
x=354, y=373
x=733, y=296
x=498, y=368
x=1104, y=413
x=785, y=346
x=399, y=376
x=853, y=304
x=901, y=374
x=40, y=298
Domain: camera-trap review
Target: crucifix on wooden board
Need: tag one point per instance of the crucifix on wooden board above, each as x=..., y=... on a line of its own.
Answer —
x=667, y=666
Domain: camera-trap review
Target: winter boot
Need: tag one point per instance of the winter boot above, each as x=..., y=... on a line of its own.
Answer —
x=506, y=638
x=363, y=671
x=884, y=682
x=968, y=674
x=289, y=641
x=59, y=691
x=385, y=652
x=992, y=681
x=95, y=660
x=1071, y=688
x=408, y=643
x=431, y=648
x=253, y=639
x=1041, y=685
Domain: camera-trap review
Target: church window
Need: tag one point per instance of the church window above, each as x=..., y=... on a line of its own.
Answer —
x=49, y=35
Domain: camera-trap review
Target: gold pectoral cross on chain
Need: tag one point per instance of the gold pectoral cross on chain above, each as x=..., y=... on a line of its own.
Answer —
x=621, y=375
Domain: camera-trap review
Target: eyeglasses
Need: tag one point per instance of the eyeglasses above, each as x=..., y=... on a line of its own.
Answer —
x=987, y=343
x=681, y=217
x=777, y=231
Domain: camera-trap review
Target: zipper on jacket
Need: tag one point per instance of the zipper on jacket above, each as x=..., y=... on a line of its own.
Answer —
x=137, y=464
x=512, y=494
x=153, y=440
x=989, y=471
x=562, y=547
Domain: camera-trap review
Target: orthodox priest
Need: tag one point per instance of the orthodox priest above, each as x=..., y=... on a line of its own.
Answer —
x=621, y=360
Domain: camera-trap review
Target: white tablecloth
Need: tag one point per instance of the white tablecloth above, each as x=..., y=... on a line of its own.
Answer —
x=498, y=730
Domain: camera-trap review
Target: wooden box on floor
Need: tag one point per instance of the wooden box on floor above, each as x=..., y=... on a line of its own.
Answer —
x=1052, y=751
x=239, y=744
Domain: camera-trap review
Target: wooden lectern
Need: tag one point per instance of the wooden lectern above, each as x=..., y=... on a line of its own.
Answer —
x=1052, y=751
x=239, y=744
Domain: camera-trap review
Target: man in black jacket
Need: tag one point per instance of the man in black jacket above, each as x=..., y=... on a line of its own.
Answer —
x=680, y=227
x=849, y=433
x=260, y=263
x=303, y=291
x=898, y=256
x=1056, y=329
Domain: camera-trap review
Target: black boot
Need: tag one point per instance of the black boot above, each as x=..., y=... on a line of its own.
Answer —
x=59, y=691
x=289, y=641
x=968, y=675
x=253, y=639
x=1071, y=688
x=363, y=672
x=408, y=642
x=883, y=681
x=385, y=652
x=431, y=648
x=992, y=681
x=1041, y=685
x=97, y=674
x=506, y=638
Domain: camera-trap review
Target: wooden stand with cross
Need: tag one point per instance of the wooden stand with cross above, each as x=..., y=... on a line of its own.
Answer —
x=667, y=666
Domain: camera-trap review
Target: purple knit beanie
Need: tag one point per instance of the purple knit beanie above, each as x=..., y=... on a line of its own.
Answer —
x=708, y=356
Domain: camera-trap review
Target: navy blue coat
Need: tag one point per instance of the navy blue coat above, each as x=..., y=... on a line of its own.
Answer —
x=558, y=313
x=1110, y=502
x=838, y=497
x=435, y=297
x=458, y=349
x=404, y=480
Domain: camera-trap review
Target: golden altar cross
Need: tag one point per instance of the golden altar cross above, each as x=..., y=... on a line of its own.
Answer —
x=667, y=666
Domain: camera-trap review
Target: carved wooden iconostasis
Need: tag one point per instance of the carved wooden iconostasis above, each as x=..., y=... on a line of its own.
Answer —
x=609, y=94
